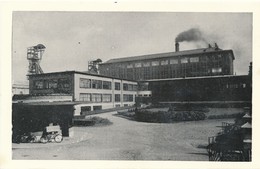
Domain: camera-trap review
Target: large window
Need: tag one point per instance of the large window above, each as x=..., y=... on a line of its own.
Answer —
x=129, y=66
x=194, y=59
x=174, y=61
x=117, y=98
x=146, y=64
x=85, y=97
x=53, y=84
x=128, y=97
x=184, y=60
x=85, y=83
x=155, y=63
x=125, y=86
x=117, y=86
x=138, y=65
x=164, y=62
x=130, y=87
x=106, y=85
x=107, y=98
x=217, y=70
x=96, y=97
x=38, y=84
x=96, y=84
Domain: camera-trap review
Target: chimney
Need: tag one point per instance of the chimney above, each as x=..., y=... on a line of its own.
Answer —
x=177, y=47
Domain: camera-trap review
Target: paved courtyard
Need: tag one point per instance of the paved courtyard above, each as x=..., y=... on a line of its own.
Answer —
x=128, y=140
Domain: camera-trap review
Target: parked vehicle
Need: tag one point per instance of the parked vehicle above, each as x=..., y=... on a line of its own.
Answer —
x=51, y=134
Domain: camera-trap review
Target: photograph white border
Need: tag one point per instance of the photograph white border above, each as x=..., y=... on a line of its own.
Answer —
x=6, y=9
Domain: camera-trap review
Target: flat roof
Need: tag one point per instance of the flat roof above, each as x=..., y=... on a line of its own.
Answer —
x=200, y=77
x=78, y=72
x=169, y=54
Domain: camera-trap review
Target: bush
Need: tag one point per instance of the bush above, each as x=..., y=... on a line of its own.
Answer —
x=168, y=116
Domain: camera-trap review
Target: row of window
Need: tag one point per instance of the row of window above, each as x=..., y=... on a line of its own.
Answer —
x=96, y=97
x=52, y=84
x=164, y=62
x=94, y=84
x=99, y=84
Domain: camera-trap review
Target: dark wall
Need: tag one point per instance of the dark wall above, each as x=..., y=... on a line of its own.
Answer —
x=234, y=88
x=32, y=118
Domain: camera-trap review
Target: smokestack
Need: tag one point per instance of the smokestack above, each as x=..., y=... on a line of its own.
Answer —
x=177, y=45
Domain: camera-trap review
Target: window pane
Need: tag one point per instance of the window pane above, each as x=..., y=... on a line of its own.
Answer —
x=117, y=98
x=129, y=66
x=85, y=97
x=107, y=98
x=117, y=86
x=216, y=70
x=155, y=63
x=146, y=64
x=164, y=62
x=38, y=84
x=106, y=85
x=96, y=97
x=96, y=84
x=184, y=60
x=138, y=65
x=194, y=59
x=85, y=83
x=174, y=61
x=125, y=86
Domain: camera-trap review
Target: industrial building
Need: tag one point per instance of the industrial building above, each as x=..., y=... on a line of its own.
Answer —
x=211, y=61
x=89, y=91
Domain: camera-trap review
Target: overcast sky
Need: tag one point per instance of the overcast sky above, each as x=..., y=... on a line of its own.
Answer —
x=74, y=38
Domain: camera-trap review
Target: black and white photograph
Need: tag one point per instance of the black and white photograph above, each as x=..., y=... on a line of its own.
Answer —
x=132, y=86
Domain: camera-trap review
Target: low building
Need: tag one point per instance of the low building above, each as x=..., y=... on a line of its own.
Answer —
x=90, y=91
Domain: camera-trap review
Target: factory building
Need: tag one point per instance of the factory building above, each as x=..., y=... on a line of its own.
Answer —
x=210, y=91
x=88, y=91
x=211, y=61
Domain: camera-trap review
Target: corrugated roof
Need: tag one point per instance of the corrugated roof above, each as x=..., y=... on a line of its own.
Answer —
x=164, y=55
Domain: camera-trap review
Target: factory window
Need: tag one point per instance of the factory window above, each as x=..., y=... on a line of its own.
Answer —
x=184, y=60
x=96, y=97
x=129, y=66
x=130, y=87
x=125, y=86
x=117, y=98
x=138, y=65
x=128, y=98
x=85, y=109
x=96, y=84
x=117, y=105
x=107, y=98
x=155, y=63
x=38, y=84
x=216, y=70
x=97, y=107
x=164, y=62
x=174, y=61
x=106, y=85
x=117, y=86
x=135, y=88
x=85, y=97
x=194, y=59
x=85, y=83
x=146, y=64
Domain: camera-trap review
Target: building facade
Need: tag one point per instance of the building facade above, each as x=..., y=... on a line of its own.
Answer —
x=210, y=61
x=211, y=90
x=88, y=91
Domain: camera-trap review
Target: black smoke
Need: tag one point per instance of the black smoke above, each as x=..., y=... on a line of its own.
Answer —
x=190, y=35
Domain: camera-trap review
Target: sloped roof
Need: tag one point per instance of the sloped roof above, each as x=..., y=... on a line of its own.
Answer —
x=246, y=125
x=164, y=55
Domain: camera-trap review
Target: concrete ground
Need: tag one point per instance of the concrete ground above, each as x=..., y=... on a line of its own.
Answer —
x=128, y=140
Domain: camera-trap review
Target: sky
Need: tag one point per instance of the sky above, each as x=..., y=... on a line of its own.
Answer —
x=73, y=38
